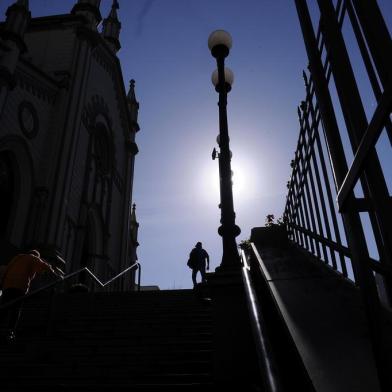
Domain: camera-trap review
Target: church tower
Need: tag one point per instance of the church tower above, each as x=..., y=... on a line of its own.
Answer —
x=67, y=142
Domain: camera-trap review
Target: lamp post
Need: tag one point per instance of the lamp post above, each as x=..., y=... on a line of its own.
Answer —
x=219, y=42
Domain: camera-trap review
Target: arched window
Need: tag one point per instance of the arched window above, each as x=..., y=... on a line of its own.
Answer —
x=103, y=149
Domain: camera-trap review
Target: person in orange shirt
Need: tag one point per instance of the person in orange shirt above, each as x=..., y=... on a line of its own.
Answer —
x=19, y=273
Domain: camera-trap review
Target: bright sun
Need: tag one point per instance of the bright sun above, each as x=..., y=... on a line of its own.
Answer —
x=241, y=182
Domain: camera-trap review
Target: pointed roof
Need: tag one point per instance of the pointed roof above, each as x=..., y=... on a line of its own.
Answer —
x=133, y=105
x=20, y=6
x=112, y=26
x=134, y=225
x=18, y=17
x=113, y=11
x=89, y=9
x=133, y=214
x=23, y=3
x=131, y=93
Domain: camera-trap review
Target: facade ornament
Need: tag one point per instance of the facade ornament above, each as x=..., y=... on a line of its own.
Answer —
x=28, y=119
x=133, y=106
x=89, y=9
x=112, y=27
x=12, y=43
x=18, y=18
x=134, y=226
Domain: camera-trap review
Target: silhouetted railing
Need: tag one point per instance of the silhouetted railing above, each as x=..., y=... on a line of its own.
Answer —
x=84, y=270
x=279, y=364
x=265, y=354
x=342, y=212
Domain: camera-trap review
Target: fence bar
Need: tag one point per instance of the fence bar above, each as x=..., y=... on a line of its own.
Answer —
x=308, y=171
x=312, y=135
x=333, y=245
x=331, y=204
x=377, y=37
x=306, y=197
x=367, y=144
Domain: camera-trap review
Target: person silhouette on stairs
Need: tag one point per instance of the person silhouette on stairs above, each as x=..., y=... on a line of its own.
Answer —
x=199, y=261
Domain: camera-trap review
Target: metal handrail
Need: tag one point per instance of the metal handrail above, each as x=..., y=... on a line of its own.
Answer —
x=70, y=275
x=265, y=356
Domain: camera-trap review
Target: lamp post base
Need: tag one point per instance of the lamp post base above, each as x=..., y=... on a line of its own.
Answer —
x=230, y=258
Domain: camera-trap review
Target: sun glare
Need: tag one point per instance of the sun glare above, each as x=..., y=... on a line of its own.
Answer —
x=242, y=182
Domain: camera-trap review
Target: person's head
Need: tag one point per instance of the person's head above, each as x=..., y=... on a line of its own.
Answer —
x=35, y=253
x=198, y=245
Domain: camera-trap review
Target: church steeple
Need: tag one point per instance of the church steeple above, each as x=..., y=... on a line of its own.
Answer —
x=90, y=10
x=134, y=226
x=111, y=28
x=12, y=34
x=133, y=105
x=18, y=17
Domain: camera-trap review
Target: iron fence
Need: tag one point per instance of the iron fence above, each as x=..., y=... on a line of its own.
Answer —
x=338, y=205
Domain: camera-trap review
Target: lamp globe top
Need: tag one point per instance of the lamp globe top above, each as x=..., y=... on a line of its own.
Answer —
x=220, y=43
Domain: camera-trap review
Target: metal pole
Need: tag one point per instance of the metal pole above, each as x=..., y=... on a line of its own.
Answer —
x=228, y=229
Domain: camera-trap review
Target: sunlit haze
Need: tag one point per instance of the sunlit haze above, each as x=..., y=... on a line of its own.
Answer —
x=176, y=183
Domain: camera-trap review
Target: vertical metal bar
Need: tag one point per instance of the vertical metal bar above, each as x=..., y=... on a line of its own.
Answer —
x=300, y=217
x=315, y=114
x=331, y=206
x=299, y=205
x=367, y=61
x=377, y=37
x=139, y=273
x=303, y=199
x=291, y=215
x=290, y=218
x=307, y=200
x=311, y=133
x=312, y=206
x=295, y=219
x=355, y=235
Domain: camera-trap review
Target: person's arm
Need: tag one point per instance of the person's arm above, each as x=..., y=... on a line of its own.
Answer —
x=43, y=266
x=208, y=261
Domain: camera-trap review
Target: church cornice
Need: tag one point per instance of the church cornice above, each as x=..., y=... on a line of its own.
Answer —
x=36, y=82
x=38, y=71
x=54, y=22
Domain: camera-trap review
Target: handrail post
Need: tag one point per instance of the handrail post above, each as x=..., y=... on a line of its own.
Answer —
x=139, y=276
x=70, y=275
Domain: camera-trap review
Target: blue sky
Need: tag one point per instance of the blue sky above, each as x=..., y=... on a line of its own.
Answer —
x=164, y=48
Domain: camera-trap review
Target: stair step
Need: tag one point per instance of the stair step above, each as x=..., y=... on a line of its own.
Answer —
x=123, y=341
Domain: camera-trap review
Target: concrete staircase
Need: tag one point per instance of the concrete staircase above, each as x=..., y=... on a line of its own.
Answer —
x=146, y=341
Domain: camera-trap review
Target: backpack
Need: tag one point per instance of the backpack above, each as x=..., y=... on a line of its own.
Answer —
x=192, y=261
